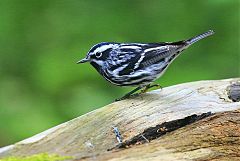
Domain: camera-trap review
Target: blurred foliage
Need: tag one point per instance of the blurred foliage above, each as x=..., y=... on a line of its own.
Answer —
x=40, y=42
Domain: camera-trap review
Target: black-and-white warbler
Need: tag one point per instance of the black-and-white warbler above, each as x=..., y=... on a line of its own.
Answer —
x=136, y=64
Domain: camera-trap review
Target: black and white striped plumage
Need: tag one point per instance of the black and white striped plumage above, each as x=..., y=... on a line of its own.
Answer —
x=135, y=64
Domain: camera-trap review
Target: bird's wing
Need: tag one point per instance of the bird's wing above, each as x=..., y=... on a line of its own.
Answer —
x=159, y=53
x=139, y=56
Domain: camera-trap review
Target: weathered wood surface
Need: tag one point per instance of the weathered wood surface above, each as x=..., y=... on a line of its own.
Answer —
x=191, y=121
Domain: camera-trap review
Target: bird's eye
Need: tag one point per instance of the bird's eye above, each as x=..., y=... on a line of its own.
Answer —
x=98, y=55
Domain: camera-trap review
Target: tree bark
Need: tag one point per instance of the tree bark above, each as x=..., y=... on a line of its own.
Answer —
x=190, y=121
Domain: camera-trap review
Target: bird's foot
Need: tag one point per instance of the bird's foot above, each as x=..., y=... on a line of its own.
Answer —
x=133, y=94
x=127, y=96
x=146, y=89
x=130, y=94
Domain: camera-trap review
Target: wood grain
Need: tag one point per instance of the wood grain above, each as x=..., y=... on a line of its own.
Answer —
x=180, y=108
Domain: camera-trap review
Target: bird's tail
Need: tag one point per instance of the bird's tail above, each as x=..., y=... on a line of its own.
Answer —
x=199, y=37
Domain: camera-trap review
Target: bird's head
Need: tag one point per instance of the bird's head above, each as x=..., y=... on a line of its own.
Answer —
x=99, y=53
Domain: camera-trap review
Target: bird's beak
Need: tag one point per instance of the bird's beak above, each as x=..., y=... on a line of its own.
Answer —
x=84, y=60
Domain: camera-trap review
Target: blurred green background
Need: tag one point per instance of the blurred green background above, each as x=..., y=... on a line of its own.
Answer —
x=41, y=41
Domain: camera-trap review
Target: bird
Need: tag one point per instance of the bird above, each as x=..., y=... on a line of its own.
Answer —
x=136, y=64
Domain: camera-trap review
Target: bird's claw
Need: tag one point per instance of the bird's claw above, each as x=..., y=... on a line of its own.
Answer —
x=133, y=94
x=126, y=97
x=149, y=87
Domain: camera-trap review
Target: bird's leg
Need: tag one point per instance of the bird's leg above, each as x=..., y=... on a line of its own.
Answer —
x=147, y=87
x=129, y=94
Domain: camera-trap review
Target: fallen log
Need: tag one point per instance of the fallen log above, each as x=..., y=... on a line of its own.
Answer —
x=190, y=121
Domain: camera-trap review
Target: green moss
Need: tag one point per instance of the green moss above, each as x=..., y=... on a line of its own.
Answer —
x=38, y=157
